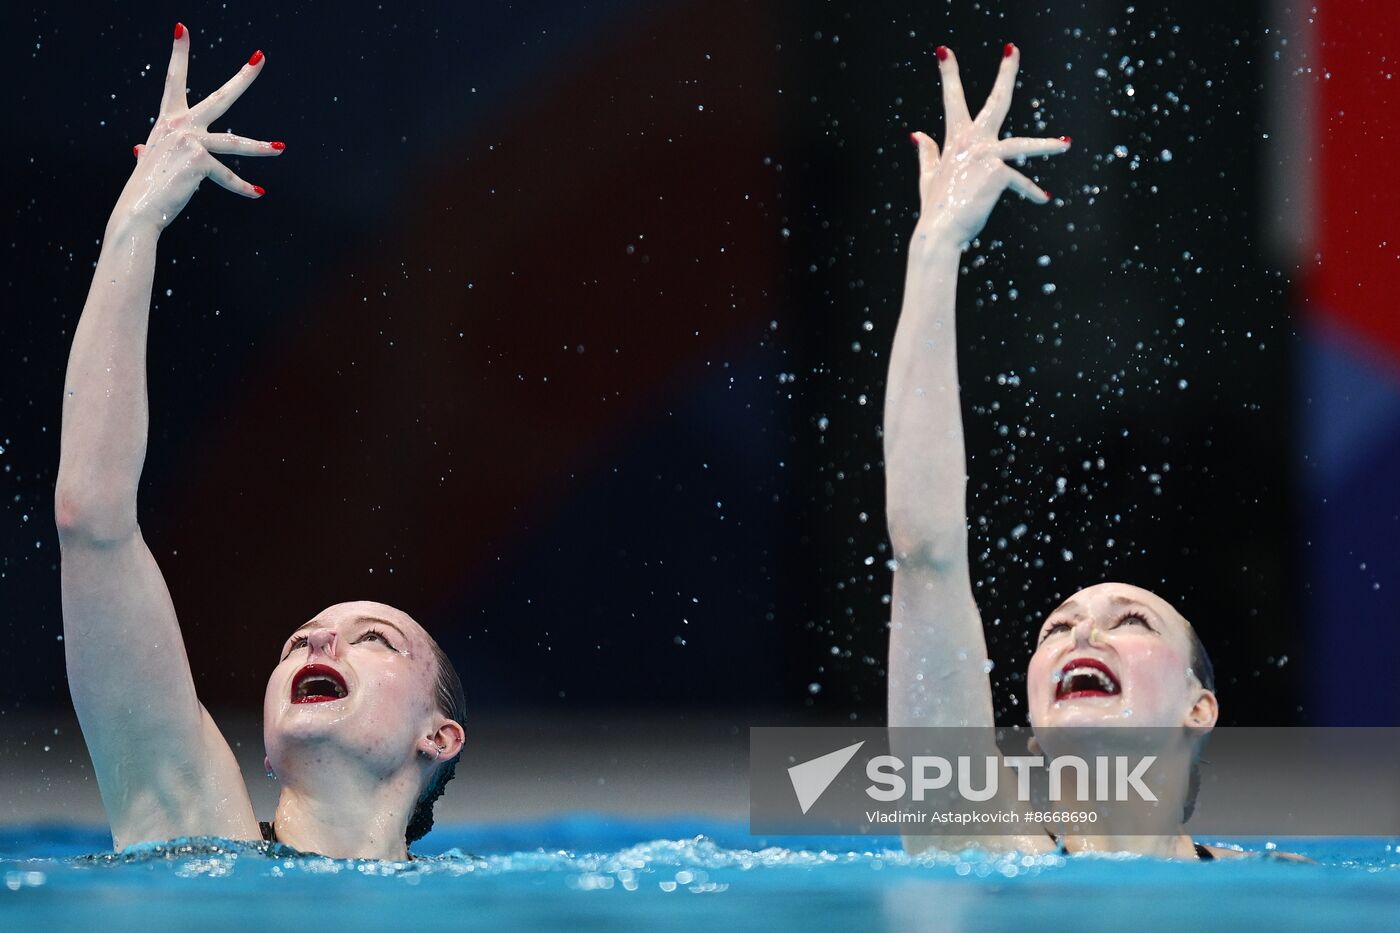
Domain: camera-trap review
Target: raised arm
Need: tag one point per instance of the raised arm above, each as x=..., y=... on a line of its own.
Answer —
x=162, y=766
x=937, y=669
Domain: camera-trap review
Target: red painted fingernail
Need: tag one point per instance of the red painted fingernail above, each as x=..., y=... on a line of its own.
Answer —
x=1006, y=52
x=136, y=151
x=278, y=146
x=1066, y=140
x=179, y=30
x=259, y=190
x=942, y=53
x=1048, y=195
x=914, y=138
x=256, y=57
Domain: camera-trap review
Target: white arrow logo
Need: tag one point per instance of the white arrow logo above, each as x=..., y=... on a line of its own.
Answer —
x=811, y=778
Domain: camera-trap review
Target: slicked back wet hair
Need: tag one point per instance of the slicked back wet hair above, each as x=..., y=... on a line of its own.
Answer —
x=452, y=703
x=1204, y=672
x=1200, y=661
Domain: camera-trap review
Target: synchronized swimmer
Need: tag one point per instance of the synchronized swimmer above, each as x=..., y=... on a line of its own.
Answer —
x=1109, y=648
x=362, y=715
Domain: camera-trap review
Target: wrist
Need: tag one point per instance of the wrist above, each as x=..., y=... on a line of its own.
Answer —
x=937, y=237
x=125, y=224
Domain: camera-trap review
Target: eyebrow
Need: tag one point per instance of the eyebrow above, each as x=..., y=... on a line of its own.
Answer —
x=1065, y=605
x=1135, y=603
x=371, y=620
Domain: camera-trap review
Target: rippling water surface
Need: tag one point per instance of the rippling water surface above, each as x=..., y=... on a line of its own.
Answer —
x=584, y=873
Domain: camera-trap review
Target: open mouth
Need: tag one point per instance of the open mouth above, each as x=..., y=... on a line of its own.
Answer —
x=318, y=683
x=1086, y=677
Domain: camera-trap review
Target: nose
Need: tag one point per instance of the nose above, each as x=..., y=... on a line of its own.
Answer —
x=1086, y=633
x=324, y=641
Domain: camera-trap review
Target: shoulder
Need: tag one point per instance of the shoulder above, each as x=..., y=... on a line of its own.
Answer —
x=1224, y=852
x=1028, y=843
x=1287, y=857
x=1221, y=852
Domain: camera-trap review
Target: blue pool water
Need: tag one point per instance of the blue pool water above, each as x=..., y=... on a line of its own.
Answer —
x=584, y=873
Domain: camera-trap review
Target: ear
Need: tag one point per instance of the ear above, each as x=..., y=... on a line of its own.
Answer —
x=444, y=742
x=1204, y=712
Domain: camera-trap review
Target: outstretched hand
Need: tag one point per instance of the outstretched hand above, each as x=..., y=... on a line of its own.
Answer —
x=959, y=188
x=179, y=153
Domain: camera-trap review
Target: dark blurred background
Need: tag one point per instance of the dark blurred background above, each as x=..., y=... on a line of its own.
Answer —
x=563, y=327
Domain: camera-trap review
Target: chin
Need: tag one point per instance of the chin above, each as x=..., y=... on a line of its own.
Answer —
x=1102, y=712
x=308, y=722
x=1063, y=731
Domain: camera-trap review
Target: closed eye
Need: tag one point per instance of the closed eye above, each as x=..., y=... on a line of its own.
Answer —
x=1053, y=628
x=378, y=635
x=1136, y=619
x=294, y=644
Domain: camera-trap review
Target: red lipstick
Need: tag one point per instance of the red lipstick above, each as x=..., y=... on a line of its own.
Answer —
x=318, y=683
x=1086, y=677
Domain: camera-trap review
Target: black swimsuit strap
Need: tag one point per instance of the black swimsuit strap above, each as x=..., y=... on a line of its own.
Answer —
x=1202, y=853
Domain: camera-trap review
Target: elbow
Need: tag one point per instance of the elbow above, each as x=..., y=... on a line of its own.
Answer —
x=84, y=517
x=917, y=546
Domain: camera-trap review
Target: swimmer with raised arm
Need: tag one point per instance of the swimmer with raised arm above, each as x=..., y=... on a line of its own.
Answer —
x=362, y=712
x=1107, y=649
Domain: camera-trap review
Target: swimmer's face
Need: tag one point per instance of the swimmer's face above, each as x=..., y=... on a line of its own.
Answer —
x=360, y=676
x=1116, y=654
